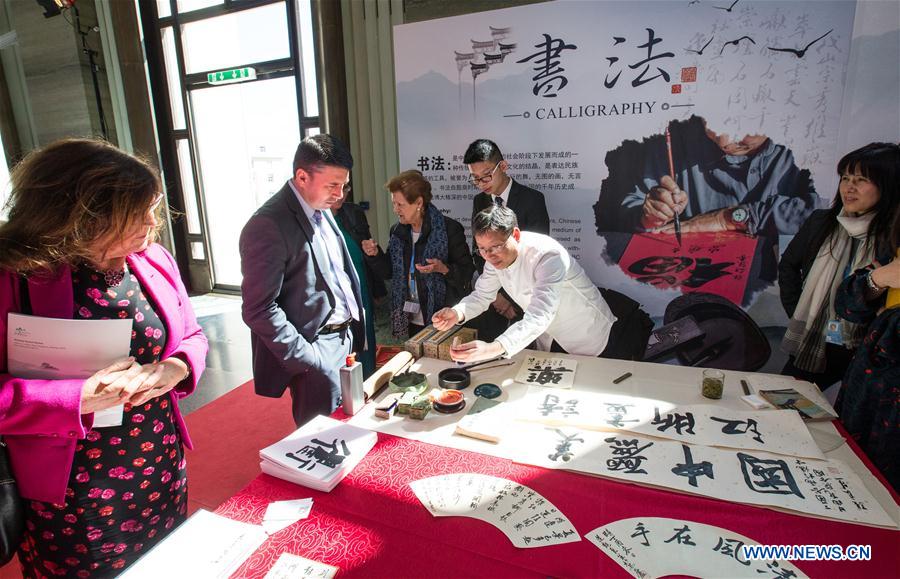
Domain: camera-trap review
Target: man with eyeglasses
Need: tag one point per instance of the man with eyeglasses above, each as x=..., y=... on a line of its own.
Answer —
x=487, y=172
x=563, y=309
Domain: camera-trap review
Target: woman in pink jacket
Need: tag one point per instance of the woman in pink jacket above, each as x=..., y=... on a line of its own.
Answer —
x=79, y=243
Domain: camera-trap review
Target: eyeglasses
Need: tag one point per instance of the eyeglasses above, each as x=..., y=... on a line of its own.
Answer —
x=486, y=251
x=474, y=180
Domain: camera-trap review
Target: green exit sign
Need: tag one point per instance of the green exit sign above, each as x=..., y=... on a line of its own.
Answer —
x=233, y=75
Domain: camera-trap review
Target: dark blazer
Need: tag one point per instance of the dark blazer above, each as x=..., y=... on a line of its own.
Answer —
x=529, y=206
x=801, y=253
x=286, y=300
x=459, y=260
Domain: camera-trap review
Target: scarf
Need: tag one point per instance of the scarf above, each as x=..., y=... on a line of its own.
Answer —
x=805, y=336
x=436, y=246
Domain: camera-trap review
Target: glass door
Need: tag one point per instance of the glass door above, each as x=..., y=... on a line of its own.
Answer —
x=233, y=77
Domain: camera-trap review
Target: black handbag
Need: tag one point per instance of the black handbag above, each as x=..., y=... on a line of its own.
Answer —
x=12, y=511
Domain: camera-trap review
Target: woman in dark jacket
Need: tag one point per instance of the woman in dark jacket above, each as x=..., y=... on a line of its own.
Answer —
x=869, y=401
x=829, y=246
x=428, y=259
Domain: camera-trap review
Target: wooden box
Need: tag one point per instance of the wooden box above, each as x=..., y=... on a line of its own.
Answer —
x=464, y=335
x=431, y=347
x=414, y=344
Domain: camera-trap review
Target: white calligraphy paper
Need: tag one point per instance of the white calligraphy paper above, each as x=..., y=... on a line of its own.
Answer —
x=281, y=514
x=527, y=518
x=207, y=545
x=650, y=547
x=778, y=431
x=293, y=567
x=822, y=488
x=547, y=371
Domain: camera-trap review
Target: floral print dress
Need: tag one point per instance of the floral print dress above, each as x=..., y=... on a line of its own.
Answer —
x=128, y=484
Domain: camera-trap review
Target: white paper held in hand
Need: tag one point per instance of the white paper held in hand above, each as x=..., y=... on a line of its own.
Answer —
x=57, y=349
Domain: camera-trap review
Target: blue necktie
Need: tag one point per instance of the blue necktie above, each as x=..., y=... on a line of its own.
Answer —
x=317, y=217
x=498, y=201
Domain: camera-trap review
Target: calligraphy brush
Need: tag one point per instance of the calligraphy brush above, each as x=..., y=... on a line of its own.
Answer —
x=677, y=221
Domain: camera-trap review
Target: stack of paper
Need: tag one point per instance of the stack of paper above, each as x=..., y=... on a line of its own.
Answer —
x=319, y=454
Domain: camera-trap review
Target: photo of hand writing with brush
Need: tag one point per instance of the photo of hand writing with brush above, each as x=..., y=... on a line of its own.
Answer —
x=705, y=179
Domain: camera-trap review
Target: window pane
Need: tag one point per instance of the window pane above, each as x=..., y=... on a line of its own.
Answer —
x=244, y=37
x=172, y=77
x=186, y=170
x=163, y=8
x=197, y=251
x=246, y=137
x=188, y=5
x=311, y=131
x=307, y=60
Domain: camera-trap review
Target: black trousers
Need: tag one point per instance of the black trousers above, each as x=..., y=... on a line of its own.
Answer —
x=629, y=334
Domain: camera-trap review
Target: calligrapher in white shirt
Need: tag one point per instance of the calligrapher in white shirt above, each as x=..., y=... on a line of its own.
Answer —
x=560, y=301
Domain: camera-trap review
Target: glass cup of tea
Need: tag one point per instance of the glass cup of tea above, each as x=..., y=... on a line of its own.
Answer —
x=713, y=383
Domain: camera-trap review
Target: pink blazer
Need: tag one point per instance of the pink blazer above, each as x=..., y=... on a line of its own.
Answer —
x=41, y=420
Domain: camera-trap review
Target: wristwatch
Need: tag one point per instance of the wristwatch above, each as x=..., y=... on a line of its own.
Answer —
x=737, y=217
x=873, y=287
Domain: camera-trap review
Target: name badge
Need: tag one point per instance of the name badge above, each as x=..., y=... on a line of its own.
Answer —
x=833, y=334
x=412, y=307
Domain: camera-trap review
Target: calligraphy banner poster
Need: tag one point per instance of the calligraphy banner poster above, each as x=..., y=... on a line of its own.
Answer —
x=588, y=99
x=776, y=431
x=819, y=488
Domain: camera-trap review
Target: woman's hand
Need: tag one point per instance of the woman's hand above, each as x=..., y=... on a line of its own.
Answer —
x=886, y=276
x=96, y=393
x=369, y=247
x=434, y=266
x=165, y=375
x=127, y=381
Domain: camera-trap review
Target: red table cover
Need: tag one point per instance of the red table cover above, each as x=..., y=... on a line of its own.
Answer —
x=372, y=525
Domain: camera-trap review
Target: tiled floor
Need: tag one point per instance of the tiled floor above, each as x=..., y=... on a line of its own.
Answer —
x=228, y=364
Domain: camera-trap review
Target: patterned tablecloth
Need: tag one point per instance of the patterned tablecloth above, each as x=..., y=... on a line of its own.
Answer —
x=372, y=525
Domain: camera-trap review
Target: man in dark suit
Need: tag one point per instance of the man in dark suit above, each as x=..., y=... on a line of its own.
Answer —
x=487, y=171
x=301, y=296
